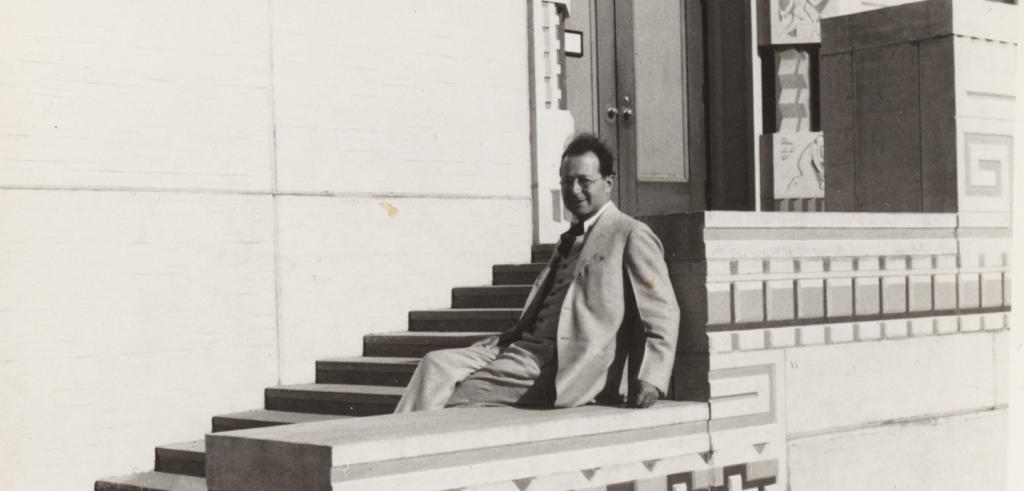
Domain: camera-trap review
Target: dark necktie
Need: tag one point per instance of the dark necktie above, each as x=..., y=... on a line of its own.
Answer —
x=569, y=238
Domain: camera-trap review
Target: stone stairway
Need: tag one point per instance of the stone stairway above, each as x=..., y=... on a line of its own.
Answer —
x=356, y=386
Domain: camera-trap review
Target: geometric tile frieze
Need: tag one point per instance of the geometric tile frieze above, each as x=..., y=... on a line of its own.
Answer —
x=1006, y=289
x=970, y=323
x=866, y=296
x=894, y=294
x=896, y=329
x=611, y=464
x=752, y=293
x=724, y=338
x=781, y=337
x=810, y=299
x=760, y=475
x=748, y=340
x=839, y=297
x=920, y=293
x=840, y=333
x=780, y=299
x=968, y=291
x=748, y=301
x=946, y=325
x=991, y=289
x=673, y=473
x=944, y=295
x=868, y=331
x=922, y=327
x=812, y=335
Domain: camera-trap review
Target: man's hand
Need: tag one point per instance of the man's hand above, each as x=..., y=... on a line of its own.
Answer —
x=643, y=394
x=488, y=342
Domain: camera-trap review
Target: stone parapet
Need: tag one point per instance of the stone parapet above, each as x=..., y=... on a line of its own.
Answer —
x=822, y=327
x=750, y=281
x=475, y=448
x=796, y=328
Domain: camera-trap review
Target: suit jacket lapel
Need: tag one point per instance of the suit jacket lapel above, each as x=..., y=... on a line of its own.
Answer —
x=540, y=283
x=595, y=239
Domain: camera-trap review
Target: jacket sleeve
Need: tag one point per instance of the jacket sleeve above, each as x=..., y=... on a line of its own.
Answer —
x=656, y=305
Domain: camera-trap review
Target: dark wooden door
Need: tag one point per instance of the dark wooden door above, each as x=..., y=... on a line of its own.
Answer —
x=649, y=97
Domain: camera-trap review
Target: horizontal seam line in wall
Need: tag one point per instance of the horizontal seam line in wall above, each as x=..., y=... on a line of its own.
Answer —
x=911, y=420
x=325, y=194
x=847, y=319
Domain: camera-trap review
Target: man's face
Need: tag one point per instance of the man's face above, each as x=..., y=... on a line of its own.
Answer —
x=584, y=189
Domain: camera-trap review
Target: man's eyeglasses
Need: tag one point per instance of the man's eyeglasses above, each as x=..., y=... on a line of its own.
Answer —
x=584, y=182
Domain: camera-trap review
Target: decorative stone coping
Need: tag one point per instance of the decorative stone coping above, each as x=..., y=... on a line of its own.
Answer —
x=916, y=21
x=396, y=450
x=827, y=220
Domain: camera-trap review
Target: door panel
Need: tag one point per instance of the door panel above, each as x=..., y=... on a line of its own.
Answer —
x=660, y=128
x=660, y=91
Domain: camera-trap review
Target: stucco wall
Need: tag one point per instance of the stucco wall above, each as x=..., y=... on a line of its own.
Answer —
x=198, y=199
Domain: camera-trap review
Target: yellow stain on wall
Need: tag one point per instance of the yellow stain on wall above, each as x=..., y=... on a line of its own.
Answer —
x=392, y=211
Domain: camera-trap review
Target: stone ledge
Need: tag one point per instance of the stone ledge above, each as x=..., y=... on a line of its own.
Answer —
x=312, y=455
x=828, y=220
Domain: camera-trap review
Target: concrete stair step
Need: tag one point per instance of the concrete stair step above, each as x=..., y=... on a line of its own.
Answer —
x=351, y=400
x=503, y=296
x=186, y=458
x=366, y=370
x=540, y=253
x=415, y=344
x=463, y=320
x=516, y=274
x=151, y=481
x=259, y=418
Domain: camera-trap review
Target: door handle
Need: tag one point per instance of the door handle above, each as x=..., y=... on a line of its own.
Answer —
x=611, y=114
x=627, y=114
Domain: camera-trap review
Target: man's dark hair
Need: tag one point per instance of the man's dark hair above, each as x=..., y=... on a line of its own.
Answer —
x=588, y=142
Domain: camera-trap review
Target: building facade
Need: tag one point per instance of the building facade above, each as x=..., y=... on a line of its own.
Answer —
x=203, y=199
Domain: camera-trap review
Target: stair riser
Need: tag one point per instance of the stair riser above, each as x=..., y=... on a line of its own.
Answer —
x=152, y=481
x=174, y=464
x=398, y=349
x=461, y=325
x=510, y=301
x=228, y=424
x=541, y=255
x=330, y=407
x=362, y=377
x=514, y=277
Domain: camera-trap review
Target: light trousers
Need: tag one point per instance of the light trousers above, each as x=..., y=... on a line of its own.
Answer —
x=521, y=374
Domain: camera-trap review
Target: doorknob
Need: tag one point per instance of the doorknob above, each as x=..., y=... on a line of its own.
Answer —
x=611, y=114
x=627, y=111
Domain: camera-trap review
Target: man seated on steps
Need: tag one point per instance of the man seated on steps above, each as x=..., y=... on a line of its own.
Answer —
x=608, y=272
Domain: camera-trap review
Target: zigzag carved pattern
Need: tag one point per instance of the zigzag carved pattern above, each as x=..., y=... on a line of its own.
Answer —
x=753, y=476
